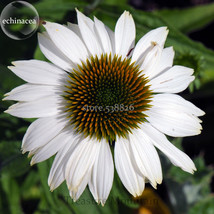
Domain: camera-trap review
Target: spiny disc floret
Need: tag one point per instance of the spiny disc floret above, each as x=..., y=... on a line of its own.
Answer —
x=107, y=97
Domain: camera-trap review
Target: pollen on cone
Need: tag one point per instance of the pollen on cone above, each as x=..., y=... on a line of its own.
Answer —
x=107, y=97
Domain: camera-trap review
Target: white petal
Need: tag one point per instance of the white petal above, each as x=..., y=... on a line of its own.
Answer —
x=67, y=41
x=174, y=80
x=176, y=103
x=78, y=192
x=41, y=131
x=86, y=27
x=177, y=157
x=56, y=175
x=146, y=42
x=53, y=146
x=151, y=60
x=38, y=72
x=81, y=162
x=172, y=118
x=102, y=174
x=44, y=107
x=30, y=92
x=39, y=64
x=103, y=36
x=75, y=28
x=112, y=38
x=132, y=181
x=124, y=34
x=145, y=157
x=53, y=53
x=57, y=172
x=165, y=62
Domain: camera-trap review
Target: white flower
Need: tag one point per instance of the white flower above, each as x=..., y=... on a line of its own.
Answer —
x=101, y=89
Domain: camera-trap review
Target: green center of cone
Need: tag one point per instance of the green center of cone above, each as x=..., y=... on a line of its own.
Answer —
x=107, y=97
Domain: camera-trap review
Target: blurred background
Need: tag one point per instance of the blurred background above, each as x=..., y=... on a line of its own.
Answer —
x=24, y=189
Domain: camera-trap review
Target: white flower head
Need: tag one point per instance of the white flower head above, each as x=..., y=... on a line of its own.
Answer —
x=99, y=89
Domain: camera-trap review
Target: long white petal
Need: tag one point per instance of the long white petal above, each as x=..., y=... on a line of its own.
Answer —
x=124, y=34
x=44, y=107
x=145, y=157
x=53, y=146
x=103, y=36
x=57, y=172
x=150, y=63
x=102, y=174
x=52, y=53
x=41, y=131
x=80, y=162
x=75, y=28
x=174, y=80
x=173, y=118
x=132, y=181
x=165, y=62
x=176, y=103
x=112, y=38
x=177, y=157
x=38, y=72
x=75, y=194
x=86, y=27
x=146, y=42
x=67, y=41
x=30, y=92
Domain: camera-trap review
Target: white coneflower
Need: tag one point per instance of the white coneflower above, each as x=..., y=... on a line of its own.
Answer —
x=101, y=89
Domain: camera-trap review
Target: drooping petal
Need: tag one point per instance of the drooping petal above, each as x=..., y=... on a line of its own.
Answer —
x=57, y=172
x=102, y=174
x=53, y=146
x=52, y=53
x=146, y=42
x=75, y=194
x=132, y=181
x=86, y=26
x=81, y=162
x=44, y=107
x=124, y=34
x=30, y=92
x=145, y=157
x=38, y=72
x=174, y=116
x=41, y=131
x=67, y=41
x=174, y=80
x=177, y=157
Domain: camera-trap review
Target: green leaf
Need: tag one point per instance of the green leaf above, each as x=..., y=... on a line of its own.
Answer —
x=8, y=80
x=112, y=2
x=11, y=189
x=55, y=10
x=205, y=206
x=187, y=20
x=43, y=169
x=13, y=162
x=186, y=190
x=28, y=188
